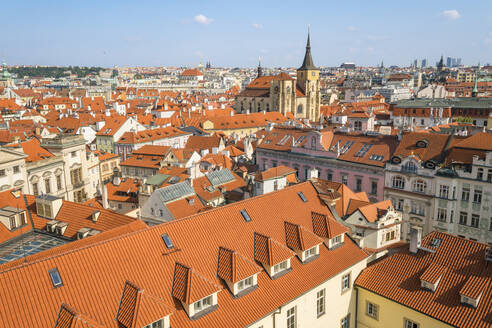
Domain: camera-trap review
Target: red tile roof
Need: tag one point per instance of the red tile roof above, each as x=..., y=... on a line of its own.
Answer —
x=456, y=260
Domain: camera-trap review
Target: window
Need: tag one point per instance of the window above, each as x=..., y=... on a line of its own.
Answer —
x=390, y=236
x=74, y=153
x=480, y=174
x=372, y=310
x=329, y=176
x=22, y=218
x=374, y=187
x=47, y=186
x=310, y=252
x=398, y=182
x=76, y=175
x=489, y=176
x=475, y=220
x=419, y=186
x=313, y=143
x=477, y=196
x=35, y=190
x=302, y=197
x=336, y=240
x=346, y=282
x=13, y=223
x=410, y=166
x=417, y=208
x=280, y=267
x=292, y=317
x=16, y=169
x=411, y=324
x=58, y=182
x=443, y=191
x=299, y=109
x=465, y=194
x=55, y=277
x=463, y=218
x=442, y=214
x=320, y=302
x=161, y=213
x=357, y=126
x=490, y=225
x=203, y=304
x=344, y=179
x=245, y=215
x=345, y=322
x=157, y=324
x=2, y=173
x=246, y=283
x=120, y=206
x=358, y=184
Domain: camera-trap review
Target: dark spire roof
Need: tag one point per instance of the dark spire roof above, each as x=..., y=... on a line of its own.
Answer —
x=308, y=60
x=260, y=70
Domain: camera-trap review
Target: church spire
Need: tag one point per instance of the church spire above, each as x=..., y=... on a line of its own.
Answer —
x=475, y=87
x=260, y=70
x=308, y=60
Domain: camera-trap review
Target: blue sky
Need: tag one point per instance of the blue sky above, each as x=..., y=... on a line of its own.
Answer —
x=235, y=33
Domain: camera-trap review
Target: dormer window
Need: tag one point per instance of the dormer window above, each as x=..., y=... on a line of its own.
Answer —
x=244, y=284
x=336, y=241
x=157, y=324
x=310, y=252
x=203, y=304
x=280, y=267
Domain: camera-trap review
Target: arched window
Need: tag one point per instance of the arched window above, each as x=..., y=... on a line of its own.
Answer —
x=313, y=143
x=299, y=109
x=288, y=89
x=419, y=185
x=267, y=107
x=398, y=182
x=410, y=166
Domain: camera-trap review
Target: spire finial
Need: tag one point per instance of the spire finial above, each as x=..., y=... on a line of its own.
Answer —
x=309, y=36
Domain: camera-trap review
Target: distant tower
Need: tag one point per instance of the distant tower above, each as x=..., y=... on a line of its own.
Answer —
x=260, y=70
x=308, y=82
x=474, y=93
x=440, y=65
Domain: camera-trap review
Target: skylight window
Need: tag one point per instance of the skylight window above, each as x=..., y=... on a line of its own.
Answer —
x=167, y=240
x=300, y=139
x=436, y=242
x=346, y=147
x=245, y=215
x=363, y=150
x=284, y=139
x=55, y=277
x=302, y=197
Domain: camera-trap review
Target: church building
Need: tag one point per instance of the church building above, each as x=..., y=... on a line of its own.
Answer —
x=282, y=93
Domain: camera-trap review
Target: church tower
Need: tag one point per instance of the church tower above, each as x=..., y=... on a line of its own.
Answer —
x=308, y=83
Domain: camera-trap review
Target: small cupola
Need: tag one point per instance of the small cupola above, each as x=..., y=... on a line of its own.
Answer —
x=274, y=256
x=238, y=272
x=303, y=242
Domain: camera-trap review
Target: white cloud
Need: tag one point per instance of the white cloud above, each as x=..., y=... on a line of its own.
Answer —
x=352, y=28
x=257, y=26
x=202, y=19
x=452, y=14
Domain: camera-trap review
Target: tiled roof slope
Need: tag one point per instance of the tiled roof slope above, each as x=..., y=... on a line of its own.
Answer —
x=434, y=150
x=398, y=278
x=94, y=276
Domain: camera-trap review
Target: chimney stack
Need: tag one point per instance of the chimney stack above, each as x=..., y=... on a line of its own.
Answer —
x=415, y=239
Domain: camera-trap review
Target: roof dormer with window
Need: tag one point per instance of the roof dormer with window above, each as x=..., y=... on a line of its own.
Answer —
x=303, y=242
x=238, y=272
x=274, y=256
x=12, y=218
x=432, y=276
x=331, y=231
x=197, y=294
x=47, y=206
x=138, y=308
x=472, y=291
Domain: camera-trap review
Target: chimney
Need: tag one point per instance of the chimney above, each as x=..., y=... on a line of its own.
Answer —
x=95, y=216
x=415, y=239
x=105, y=203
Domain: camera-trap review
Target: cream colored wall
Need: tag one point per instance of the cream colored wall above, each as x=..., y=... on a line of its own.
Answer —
x=337, y=304
x=391, y=314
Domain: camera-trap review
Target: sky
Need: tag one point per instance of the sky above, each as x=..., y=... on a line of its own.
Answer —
x=236, y=33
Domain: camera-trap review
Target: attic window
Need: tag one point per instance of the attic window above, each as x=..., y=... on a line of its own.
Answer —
x=302, y=197
x=422, y=144
x=282, y=266
x=55, y=277
x=245, y=215
x=167, y=240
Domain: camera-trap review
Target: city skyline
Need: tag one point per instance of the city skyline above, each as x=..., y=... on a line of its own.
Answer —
x=235, y=35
